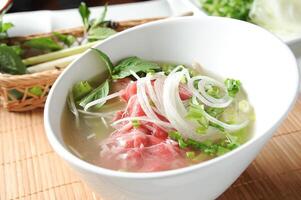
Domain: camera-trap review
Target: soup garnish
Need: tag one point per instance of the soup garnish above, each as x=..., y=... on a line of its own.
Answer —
x=148, y=116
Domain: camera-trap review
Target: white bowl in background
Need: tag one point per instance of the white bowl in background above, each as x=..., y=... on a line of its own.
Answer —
x=227, y=47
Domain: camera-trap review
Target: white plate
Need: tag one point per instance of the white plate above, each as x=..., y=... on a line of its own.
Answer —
x=294, y=44
x=47, y=21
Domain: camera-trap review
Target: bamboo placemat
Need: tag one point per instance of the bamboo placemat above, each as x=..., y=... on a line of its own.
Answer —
x=29, y=168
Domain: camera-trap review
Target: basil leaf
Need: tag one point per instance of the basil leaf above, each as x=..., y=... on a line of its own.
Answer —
x=105, y=59
x=66, y=39
x=10, y=62
x=17, y=49
x=43, y=44
x=100, y=33
x=99, y=92
x=101, y=18
x=81, y=89
x=36, y=90
x=85, y=14
x=135, y=64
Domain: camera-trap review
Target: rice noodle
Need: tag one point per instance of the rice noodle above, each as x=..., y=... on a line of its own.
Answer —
x=102, y=100
x=97, y=114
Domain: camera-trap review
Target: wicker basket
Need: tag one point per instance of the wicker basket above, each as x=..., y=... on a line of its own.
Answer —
x=22, y=84
x=45, y=79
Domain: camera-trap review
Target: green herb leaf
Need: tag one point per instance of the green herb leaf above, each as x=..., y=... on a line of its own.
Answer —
x=84, y=12
x=6, y=26
x=214, y=91
x=81, y=89
x=135, y=123
x=17, y=49
x=222, y=129
x=101, y=18
x=99, y=92
x=16, y=94
x=66, y=39
x=214, y=112
x=36, y=90
x=182, y=144
x=238, y=9
x=222, y=150
x=105, y=59
x=175, y=135
x=43, y=44
x=190, y=154
x=233, y=86
x=10, y=62
x=196, y=113
x=135, y=64
x=100, y=33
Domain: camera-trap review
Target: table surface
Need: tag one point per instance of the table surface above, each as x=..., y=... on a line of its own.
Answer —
x=29, y=168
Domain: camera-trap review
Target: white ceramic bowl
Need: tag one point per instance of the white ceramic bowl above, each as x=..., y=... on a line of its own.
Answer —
x=227, y=47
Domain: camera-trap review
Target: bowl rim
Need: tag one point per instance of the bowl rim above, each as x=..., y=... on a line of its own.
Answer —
x=79, y=163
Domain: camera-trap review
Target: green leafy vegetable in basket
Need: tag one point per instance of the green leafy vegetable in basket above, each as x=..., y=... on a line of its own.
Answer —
x=238, y=9
x=68, y=40
x=95, y=29
x=10, y=61
x=43, y=44
x=4, y=26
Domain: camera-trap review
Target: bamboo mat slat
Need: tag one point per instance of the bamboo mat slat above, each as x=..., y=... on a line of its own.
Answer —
x=29, y=168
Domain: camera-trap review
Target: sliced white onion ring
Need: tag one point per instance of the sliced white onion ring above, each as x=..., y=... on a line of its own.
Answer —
x=102, y=100
x=196, y=93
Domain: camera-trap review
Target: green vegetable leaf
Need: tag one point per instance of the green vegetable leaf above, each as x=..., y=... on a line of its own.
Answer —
x=214, y=112
x=66, y=39
x=84, y=12
x=105, y=59
x=233, y=86
x=36, y=90
x=208, y=147
x=16, y=94
x=222, y=129
x=182, y=144
x=4, y=27
x=101, y=18
x=238, y=9
x=135, y=123
x=10, y=62
x=190, y=154
x=196, y=113
x=100, y=33
x=135, y=64
x=43, y=44
x=17, y=49
x=81, y=89
x=167, y=68
x=175, y=135
x=214, y=91
x=99, y=92
x=232, y=141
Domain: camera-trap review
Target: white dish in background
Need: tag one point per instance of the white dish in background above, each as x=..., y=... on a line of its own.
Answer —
x=47, y=21
x=294, y=44
x=248, y=53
